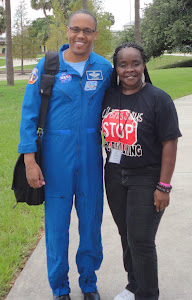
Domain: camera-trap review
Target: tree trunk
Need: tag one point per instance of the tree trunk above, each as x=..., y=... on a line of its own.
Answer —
x=9, y=58
x=85, y=4
x=137, y=22
x=47, y=21
x=22, y=71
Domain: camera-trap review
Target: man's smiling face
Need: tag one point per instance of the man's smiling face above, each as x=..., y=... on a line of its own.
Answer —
x=80, y=44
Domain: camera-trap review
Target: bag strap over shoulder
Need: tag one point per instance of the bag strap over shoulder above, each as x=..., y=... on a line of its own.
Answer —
x=51, y=65
x=51, y=68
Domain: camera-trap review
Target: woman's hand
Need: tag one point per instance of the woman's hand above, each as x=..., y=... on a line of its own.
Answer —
x=161, y=200
x=33, y=172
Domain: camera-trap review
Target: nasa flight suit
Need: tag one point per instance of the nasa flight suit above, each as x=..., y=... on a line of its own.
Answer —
x=71, y=164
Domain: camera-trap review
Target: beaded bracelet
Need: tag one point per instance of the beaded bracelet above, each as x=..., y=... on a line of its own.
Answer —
x=163, y=188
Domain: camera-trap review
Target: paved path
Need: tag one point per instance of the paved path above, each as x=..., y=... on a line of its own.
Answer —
x=17, y=76
x=26, y=62
x=174, y=240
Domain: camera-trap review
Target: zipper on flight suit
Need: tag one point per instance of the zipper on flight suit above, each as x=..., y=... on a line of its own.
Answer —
x=63, y=92
x=81, y=102
x=95, y=93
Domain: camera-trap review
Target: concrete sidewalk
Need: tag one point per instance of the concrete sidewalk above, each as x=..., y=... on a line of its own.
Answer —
x=174, y=240
x=17, y=76
x=26, y=62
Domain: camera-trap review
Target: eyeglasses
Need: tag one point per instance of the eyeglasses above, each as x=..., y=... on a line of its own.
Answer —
x=77, y=30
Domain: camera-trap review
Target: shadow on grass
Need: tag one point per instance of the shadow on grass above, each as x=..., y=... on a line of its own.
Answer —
x=182, y=64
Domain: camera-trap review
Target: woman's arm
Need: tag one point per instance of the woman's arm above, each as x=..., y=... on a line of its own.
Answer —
x=161, y=199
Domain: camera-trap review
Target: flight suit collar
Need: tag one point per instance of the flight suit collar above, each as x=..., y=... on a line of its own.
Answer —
x=64, y=66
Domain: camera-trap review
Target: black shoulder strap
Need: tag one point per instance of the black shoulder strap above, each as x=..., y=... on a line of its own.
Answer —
x=51, y=68
x=51, y=65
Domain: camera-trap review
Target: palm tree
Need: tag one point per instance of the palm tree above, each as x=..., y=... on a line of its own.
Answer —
x=85, y=4
x=137, y=22
x=42, y=4
x=9, y=58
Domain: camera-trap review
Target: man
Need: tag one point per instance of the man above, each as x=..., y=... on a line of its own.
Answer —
x=71, y=154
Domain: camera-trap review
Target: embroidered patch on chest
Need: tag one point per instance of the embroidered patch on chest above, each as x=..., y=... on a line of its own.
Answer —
x=65, y=77
x=94, y=75
x=34, y=76
x=90, y=85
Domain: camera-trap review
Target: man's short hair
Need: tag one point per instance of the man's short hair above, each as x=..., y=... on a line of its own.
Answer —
x=86, y=12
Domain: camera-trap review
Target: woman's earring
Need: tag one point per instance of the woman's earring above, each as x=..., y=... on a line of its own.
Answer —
x=117, y=79
x=143, y=78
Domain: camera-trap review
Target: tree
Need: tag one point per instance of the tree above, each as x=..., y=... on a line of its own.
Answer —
x=167, y=26
x=137, y=22
x=39, y=30
x=42, y=4
x=9, y=58
x=24, y=46
x=57, y=29
x=2, y=20
x=127, y=35
x=110, y=17
x=103, y=44
x=85, y=4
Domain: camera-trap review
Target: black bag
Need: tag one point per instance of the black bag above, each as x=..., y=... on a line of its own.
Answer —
x=22, y=190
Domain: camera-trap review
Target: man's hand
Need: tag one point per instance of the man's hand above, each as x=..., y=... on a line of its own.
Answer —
x=161, y=200
x=33, y=172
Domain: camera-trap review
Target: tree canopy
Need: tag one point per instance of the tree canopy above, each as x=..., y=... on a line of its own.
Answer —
x=55, y=35
x=2, y=20
x=42, y=4
x=24, y=45
x=167, y=25
x=40, y=30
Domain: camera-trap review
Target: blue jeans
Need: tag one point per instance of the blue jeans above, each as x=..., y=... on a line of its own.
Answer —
x=130, y=197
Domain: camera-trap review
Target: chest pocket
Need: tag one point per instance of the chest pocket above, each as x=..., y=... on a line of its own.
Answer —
x=64, y=99
x=67, y=86
x=95, y=99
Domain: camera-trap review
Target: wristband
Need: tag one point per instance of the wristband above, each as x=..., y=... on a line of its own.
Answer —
x=163, y=188
x=165, y=184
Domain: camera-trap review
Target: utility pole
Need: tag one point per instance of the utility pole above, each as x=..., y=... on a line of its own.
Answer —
x=137, y=22
x=9, y=58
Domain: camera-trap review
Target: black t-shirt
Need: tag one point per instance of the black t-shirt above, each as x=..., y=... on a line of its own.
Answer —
x=146, y=119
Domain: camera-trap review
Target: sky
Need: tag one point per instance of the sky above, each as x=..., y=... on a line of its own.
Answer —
x=123, y=10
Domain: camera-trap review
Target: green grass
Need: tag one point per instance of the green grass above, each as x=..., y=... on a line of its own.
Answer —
x=27, y=67
x=167, y=62
x=176, y=82
x=40, y=55
x=2, y=62
x=19, y=227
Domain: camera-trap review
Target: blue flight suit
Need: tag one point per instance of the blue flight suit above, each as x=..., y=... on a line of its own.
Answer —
x=72, y=164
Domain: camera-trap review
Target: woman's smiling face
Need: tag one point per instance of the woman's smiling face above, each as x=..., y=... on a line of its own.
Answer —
x=130, y=67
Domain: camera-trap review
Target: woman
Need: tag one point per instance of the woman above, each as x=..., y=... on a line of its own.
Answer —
x=140, y=127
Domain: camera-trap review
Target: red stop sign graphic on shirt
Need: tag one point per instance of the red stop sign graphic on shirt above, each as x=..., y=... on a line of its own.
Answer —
x=121, y=127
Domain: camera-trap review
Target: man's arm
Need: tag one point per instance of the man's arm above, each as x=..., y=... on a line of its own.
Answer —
x=33, y=172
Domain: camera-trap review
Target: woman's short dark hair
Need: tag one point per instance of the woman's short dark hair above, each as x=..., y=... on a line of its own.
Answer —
x=115, y=57
x=85, y=12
